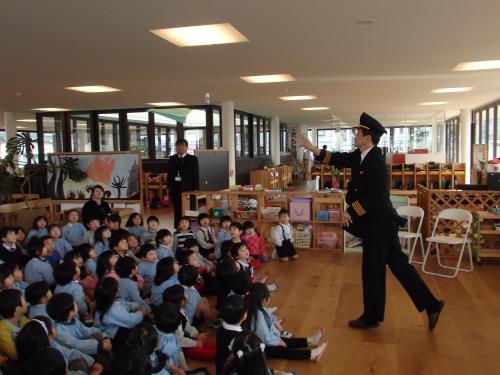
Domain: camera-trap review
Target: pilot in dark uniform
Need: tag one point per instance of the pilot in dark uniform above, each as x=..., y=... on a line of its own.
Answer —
x=371, y=217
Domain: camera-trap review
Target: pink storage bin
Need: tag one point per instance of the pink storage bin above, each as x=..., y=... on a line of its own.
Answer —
x=300, y=209
x=327, y=240
x=334, y=215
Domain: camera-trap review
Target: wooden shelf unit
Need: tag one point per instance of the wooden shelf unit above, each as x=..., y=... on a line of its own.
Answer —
x=229, y=201
x=273, y=178
x=486, y=237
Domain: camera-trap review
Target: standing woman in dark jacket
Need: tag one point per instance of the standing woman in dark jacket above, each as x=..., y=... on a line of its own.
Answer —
x=96, y=206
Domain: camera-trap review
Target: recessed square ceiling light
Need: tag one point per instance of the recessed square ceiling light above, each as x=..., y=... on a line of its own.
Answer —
x=26, y=120
x=451, y=89
x=93, y=89
x=315, y=108
x=433, y=103
x=477, y=65
x=202, y=35
x=165, y=104
x=270, y=78
x=298, y=97
x=50, y=109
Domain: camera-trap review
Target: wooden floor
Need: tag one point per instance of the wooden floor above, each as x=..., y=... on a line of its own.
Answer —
x=324, y=288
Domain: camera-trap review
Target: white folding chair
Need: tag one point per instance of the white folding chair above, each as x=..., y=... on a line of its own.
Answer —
x=406, y=236
x=451, y=214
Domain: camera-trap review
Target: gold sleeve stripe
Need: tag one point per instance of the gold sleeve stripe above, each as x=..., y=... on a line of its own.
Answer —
x=359, y=209
x=356, y=209
x=327, y=158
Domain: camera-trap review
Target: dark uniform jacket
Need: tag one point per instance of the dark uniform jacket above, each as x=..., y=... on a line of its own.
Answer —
x=368, y=193
x=187, y=168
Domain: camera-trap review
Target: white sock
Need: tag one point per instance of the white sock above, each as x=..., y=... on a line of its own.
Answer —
x=316, y=351
x=316, y=338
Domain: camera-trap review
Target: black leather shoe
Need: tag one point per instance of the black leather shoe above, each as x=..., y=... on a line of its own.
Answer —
x=361, y=324
x=434, y=316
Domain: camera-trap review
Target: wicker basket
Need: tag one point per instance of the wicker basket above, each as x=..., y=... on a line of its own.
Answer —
x=302, y=238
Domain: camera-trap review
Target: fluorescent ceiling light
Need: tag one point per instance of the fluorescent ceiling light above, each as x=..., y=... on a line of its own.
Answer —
x=165, y=104
x=268, y=78
x=26, y=120
x=315, y=108
x=50, y=109
x=203, y=35
x=298, y=97
x=92, y=89
x=451, y=89
x=477, y=65
x=433, y=103
x=408, y=121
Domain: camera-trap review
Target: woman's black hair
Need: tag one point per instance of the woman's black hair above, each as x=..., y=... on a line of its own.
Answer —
x=105, y=295
x=131, y=360
x=64, y=272
x=164, y=270
x=247, y=358
x=102, y=265
x=257, y=293
x=125, y=266
x=33, y=337
x=145, y=335
x=84, y=250
x=36, y=291
x=98, y=234
x=6, y=270
x=160, y=234
x=248, y=225
x=174, y=294
x=59, y=306
x=188, y=275
x=48, y=361
x=97, y=187
x=39, y=218
x=167, y=317
x=131, y=218
x=145, y=249
x=235, y=247
x=182, y=255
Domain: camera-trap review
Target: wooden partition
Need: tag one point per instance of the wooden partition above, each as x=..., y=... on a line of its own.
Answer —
x=323, y=215
x=280, y=177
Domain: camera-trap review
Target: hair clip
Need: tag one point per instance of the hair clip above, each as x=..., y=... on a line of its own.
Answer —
x=42, y=324
x=262, y=346
x=239, y=354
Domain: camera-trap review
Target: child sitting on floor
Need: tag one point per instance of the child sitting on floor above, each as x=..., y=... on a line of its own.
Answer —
x=282, y=236
x=135, y=224
x=93, y=224
x=147, y=266
x=166, y=275
x=61, y=245
x=128, y=287
x=73, y=231
x=66, y=275
x=39, y=228
x=13, y=308
x=10, y=251
x=150, y=234
x=37, y=295
x=206, y=237
x=182, y=233
x=255, y=244
x=164, y=244
x=101, y=239
x=38, y=268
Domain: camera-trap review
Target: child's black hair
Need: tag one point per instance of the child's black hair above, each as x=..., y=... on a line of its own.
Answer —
x=225, y=249
x=71, y=255
x=283, y=211
x=105, y=295
x=73, y=210
x=164, y=270
x=6, y=269
x=114, y=218
x=4, y=231
x=91, y=218
x=64, y=273
x=35, y=247
x=152, y=218
x=248, y=357
x=161, y=234
x=48, y=361
x=9, y=300
x=167, y=317
x=182, y=255
x=145, y=249
x=190, y=242
x=36, y=291
x=237, y=225
x=84, y=249
x=235, y=247
x=33, y=337
x=248, y=224
x=130, y=220
x=233, y=309
x=102, y=265
x=225, y=218
x=188, y=275
x=125, y=266
x=202, y=216
x=19, y=229
x=52, y=226
x=258, y=292
x=131, y=360
x=40, y=218
x=98, y=237
x=59, y=306
x=240, y=283
x=115, y=240
x=174, y=294
x=145, y=335
x=225, y=270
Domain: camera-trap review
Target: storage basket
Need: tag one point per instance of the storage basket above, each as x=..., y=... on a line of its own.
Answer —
x=302, y=238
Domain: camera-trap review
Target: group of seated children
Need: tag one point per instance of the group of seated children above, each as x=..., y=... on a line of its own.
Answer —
x=101, y=297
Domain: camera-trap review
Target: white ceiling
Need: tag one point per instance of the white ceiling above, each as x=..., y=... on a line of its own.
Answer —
x=385, y=69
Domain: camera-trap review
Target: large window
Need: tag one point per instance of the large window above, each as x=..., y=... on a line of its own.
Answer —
x=487, y=128
x=52, y=135
x=452, y=140
x=246, y=136
x=138, y=132
x=491, y=133
x=255, y=136
x=80, y=133
x=216, y=128
x=328, y=138
x=195, y=129
x=165, y=136
x=237, y=133
x=267, y=138
x=109, y=132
